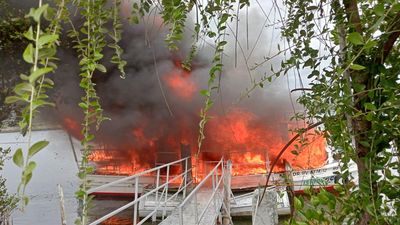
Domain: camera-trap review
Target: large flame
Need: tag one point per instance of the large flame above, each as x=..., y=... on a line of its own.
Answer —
x=238, y=134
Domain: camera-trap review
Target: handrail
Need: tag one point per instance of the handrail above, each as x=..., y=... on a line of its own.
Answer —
x=164, y=187
x=201, y=183
x=90, y=191
x=216, y=183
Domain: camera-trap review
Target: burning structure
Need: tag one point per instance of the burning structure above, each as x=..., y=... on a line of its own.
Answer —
x=155, y=110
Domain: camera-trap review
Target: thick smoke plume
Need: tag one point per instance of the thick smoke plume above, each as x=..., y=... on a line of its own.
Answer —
x=156, y=108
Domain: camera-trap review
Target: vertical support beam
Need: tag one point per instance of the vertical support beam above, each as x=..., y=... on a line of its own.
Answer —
x=154, y=217
x=166, y=194
x=62, y=208
x=226, y=209
x=185, y=177
x=135, y=207
x=187, y=164
x=289, y=185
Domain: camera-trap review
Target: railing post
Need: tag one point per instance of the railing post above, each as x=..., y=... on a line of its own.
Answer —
x=185, y=178
x=154, y=217
x=226, y=211
x=214, y=182
x=166, y=194
x=135, y=207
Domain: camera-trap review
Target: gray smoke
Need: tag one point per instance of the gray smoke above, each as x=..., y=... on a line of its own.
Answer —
x=141, y=116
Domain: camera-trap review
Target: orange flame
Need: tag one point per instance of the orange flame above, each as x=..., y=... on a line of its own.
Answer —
x=179, y=82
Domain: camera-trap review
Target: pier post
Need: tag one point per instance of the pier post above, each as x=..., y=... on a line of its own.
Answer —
x=62, y=208
x=289, y=185
x=265, y=212
x=226, y=206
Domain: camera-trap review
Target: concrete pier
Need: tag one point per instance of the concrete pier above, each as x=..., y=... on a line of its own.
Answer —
x=266, y=212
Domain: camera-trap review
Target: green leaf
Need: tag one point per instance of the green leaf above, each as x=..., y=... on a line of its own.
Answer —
x=45, y=39
x=357, y=67
x=25, y=200
x=355, y=38
x=314, y=200
x=38, y=73
x=49, y=81
x=379, y=9
x=18, y=158
x=28, y=177
x=29, y=34
x=134, y=19
x=36, y=148
x=395, y=181
x=369, y=106
x=36, y=13
x=370, y=44
x=23, y=77
x=23, y=88
x=83, y=105
x=28, y=54
x=298, y=204
x=101, y=68
x=205, y=93
x=31, y=166
x=12, y=99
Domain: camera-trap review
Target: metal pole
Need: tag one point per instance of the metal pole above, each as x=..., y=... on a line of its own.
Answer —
x=213, y=187
x=135, y=207
x=166, y=194
x=185, y=178
x=154, y=217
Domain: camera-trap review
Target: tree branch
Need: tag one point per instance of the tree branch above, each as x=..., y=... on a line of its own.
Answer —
x=352, y=14
x=389, y=43
x=283, y=151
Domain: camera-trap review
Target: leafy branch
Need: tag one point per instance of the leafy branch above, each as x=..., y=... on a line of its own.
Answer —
x=31, y=93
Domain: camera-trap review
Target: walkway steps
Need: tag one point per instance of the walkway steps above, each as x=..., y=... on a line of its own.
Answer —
x=189, y=210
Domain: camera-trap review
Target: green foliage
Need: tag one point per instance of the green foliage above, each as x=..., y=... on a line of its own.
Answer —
x=116, y=36
x=7, y=202
x=12, y=25
x=175, y=14
x=31, y=91
x=90, y=41
x=354, y=87
x=355, y=93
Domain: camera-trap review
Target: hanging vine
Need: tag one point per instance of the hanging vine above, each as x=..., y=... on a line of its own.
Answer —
x=31, y=92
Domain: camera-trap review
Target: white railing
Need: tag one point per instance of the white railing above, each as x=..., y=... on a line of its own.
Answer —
x=217, y=176
x=160, y=191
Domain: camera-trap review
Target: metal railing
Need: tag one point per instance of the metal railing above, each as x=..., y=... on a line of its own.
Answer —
x=217, y=176
x=160, y=190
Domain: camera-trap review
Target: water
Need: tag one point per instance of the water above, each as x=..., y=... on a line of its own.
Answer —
x=55, y=165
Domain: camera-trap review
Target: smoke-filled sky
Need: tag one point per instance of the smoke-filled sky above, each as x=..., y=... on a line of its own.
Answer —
x=157, y=106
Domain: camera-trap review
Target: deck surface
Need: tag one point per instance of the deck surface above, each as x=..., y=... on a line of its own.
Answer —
x=189, y=210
